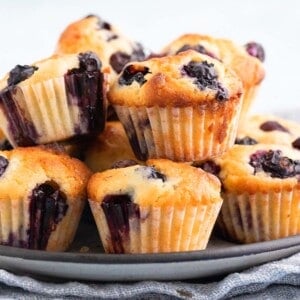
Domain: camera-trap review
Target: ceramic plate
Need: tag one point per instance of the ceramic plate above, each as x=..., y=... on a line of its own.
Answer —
x=87, y=261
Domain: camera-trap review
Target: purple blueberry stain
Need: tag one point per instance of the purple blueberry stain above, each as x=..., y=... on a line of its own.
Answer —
x=48, y=206
x=20, y=73
x=208, y=166
x=199, y=48
x=134, y=73
x=151, y=173
x=119, y=59
x=206, y=77
x=296, y=143
x=247, y=140
x=118, y=209
x=272, y=126
x=123, y=163
x=256, y=50
x=3, y=164
x=5, y=145
x=84, y=88
x=274, y=163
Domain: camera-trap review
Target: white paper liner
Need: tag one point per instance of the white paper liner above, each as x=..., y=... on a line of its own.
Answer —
x=180, y=134
x=15, y=219
x=162, y=229
x=260, y=217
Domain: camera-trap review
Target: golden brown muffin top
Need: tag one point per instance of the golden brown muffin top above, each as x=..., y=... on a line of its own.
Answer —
x=110, y=146
x=49, y=68
x=259, y=168
x=160, y=182
x=186, y=79
x=270, y=129
x=26, y=168
x=94, y=34
x=249, y=69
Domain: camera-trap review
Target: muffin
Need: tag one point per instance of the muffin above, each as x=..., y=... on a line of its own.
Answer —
x=161, y=207
x=109, y=147
x=183, y=107
x=261, y=192
x=94, y=34
x=53, y=100
x=246, y=60
x=269, y=129
x=42, y=195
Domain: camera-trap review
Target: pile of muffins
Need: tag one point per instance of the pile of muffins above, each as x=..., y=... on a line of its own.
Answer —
x=160, y=145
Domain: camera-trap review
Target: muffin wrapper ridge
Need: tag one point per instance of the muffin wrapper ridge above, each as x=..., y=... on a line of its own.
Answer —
x=260, y=217
x=15, y=225
x=48, y=111
x=160, y=229
x=180, y=134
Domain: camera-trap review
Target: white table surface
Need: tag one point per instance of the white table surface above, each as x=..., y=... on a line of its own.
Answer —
x=29, y=31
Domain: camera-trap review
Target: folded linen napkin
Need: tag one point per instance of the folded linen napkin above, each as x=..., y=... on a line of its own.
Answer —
x=275, y=280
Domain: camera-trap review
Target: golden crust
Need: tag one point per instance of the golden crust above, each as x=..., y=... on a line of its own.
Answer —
x=184, y=185
x=249, y=69
x=31, y=166
x=252, y=129
x=85, y=35
x=237, y=175
x=166, y=85
x=110, y=146
x=50, y=68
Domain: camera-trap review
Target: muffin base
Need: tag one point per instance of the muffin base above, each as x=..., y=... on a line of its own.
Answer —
x=180, y=134
x=159, y=229
x=260, y=217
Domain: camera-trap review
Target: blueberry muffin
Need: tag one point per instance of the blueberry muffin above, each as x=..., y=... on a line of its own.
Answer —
x=94, y=34
x=109, y=147
x=161, y=207
x=246, y=61
x=42, y=195
x=183, y=107
x=269, y=129
x=53, y=100
x=261, y=192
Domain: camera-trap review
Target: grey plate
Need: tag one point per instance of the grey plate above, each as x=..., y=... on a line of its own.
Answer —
x=219, y=258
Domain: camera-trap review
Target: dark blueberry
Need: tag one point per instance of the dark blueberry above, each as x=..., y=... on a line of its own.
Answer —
x=112, y=37
x=245, y=141
x=296, y=143
x=256, y=50
x=151, y=173
x=208, y=166
x=274, y=163
x=3, y=164
x=199, y=48
x=271, y=126
x=123, y=163
x=89, y=61
x=206, y=77
x=20, y=73
x=5, y=145
x=47, y=208
x=134, y=73
x=22, y=130
x=84, y=89
x=118, y=209
x=118, y=60
x=101, y=24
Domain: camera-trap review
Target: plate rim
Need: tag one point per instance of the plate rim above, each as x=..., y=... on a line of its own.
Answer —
x=236, y=250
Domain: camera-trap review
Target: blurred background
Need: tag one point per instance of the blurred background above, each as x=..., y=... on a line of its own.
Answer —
x=30, y=29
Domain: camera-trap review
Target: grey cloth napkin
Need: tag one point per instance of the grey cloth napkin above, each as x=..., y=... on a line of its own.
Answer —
x=275, y=280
